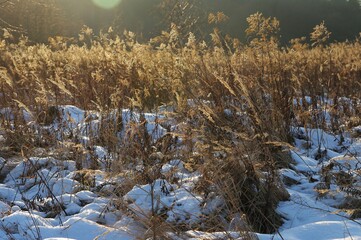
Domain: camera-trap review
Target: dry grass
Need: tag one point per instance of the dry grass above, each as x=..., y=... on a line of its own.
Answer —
x=236, y=101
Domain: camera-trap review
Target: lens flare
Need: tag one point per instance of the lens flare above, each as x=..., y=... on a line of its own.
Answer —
x=107, y=4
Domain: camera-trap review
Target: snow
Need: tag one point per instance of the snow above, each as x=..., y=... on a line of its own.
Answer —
x=67, y=199
x=141, y=197
x=52, y=238
x=355, y=148
x=78, y=228
x=181, y=205
x=9, y=194
x=307, y=215
x=129, y=225
x=4, y=209
x=22, y=221
x=172, y=166
x=56, y=238
x=72, y=208
x=86, y=196
x=323, y=230
x=64, y=185
x=87, y=124
x=303, y=209
x=40, y=197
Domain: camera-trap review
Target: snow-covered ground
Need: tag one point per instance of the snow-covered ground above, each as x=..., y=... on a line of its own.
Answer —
x=48, y=198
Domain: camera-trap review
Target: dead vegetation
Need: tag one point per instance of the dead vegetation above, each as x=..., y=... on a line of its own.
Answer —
x=237, y=102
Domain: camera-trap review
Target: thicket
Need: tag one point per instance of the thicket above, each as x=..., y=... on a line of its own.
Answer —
x=238, y=102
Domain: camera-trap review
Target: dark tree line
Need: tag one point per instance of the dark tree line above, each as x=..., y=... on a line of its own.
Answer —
x=297, y=17
x=40, y=19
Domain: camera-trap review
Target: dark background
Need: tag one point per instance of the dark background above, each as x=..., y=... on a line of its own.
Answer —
x=40, y=19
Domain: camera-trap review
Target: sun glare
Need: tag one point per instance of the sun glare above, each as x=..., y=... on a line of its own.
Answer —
x=107, y=4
